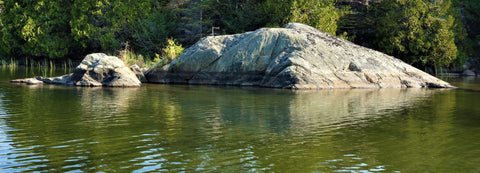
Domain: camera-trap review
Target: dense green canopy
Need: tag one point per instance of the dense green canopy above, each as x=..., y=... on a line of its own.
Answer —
x=418, y=31
x=421, y=32
x=57, y=29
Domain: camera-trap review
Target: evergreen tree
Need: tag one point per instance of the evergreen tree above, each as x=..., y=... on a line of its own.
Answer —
x=36, y=28
x=233, y=16
x=470, y=12
x=246, y=15
x=421, y=32
x=57, y=29
x=418, y=31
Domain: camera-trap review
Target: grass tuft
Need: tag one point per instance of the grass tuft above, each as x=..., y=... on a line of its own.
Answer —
x=171, y=51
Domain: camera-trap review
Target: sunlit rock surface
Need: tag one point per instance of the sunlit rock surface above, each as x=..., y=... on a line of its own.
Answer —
x=296, y=56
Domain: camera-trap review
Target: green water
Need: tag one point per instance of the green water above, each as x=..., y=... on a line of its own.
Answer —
x=228, y=129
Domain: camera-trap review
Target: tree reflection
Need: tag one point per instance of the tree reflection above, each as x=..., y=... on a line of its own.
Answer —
x=187, y=128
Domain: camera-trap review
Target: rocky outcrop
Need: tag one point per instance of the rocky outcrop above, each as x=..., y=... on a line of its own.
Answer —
x=95, y=70
x=297, y=57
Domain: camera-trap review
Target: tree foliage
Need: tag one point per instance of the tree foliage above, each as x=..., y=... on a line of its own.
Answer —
x=36, y=28
x=320, y=14
x=232, y=16
x=419, y=31
x=469, y=10
x=235, y=16
x=57, y=29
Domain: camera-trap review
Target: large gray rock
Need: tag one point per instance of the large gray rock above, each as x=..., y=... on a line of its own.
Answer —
x=99, y=69
x=297, y=56
x=96, y=70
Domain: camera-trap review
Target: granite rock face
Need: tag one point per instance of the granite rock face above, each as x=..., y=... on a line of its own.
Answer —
x=102, y=70
x=95, y=70
x=295, y=57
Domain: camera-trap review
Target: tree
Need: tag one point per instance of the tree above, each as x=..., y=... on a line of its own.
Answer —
x=418, y=31
x=463, y=42
x=36, y=28
x=233, y=16
x=321, y=14
x=64, y=28
x=470, y=14
x=3, y=49
x=245, y=15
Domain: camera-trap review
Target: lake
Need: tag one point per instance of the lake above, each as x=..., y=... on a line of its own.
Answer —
x=179, y=128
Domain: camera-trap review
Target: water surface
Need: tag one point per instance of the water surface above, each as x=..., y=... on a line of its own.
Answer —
x=229, y=129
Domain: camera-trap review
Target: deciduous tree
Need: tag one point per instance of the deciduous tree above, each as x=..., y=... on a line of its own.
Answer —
x=418, y=31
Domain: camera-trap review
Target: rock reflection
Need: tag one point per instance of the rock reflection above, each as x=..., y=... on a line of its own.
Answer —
x=105, y=106
x=199, y=128
x=330, y=109
x=254, y=128
x=281, y=110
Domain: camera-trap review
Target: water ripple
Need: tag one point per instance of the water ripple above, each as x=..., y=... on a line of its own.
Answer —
x=223, y=129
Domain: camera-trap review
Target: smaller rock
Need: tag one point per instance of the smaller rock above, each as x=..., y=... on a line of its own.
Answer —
x=95, y=70
x=98, y=69
x=468, y=73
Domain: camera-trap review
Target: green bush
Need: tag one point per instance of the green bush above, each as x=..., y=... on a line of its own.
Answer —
x=171, y=51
